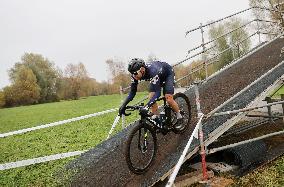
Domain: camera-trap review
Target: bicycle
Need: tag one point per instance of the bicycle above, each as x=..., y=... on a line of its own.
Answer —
x=141, y=145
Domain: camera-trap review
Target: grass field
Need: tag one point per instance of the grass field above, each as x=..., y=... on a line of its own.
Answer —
x=277, y=95
x=80, y=135
x=270, y=176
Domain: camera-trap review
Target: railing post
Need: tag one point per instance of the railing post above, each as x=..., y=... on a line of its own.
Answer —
x=204, y=48
x=258, y=31
x=121, y=93
x=233, y=50
x=268, y=100
x=197, y=99
x=282, y=99
x=206, y=70
x=191, y=75
x=280, y=16
x=123, y=121
x=200, y=132
x=238, y=48
x=121, y=99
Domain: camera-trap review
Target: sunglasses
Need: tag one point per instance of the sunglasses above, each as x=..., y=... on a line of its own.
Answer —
x=136, y=72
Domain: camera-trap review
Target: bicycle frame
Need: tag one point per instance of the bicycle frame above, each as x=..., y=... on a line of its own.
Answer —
x=167, y=109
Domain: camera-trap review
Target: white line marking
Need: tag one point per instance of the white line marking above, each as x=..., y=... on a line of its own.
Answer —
x=39, y=160
x=56, y=123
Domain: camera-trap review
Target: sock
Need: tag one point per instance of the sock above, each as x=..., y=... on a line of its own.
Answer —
x=178, y=115
x=156, y=119
x=154, y=116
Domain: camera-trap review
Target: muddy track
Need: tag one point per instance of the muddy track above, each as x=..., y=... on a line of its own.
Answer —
x=105, y=164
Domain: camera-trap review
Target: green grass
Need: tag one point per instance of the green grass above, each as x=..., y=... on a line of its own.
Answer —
x=270, y=176
x=29, y=116
x=79, y=135
x=45, y=174
x=277, y=95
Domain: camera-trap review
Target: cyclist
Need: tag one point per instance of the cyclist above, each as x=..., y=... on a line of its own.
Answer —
x=160, y=75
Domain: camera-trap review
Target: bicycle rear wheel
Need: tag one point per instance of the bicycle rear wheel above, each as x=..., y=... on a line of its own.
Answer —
x=141, y=148
x=185, y=109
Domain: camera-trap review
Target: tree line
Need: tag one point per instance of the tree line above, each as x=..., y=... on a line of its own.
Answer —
x=35, y=79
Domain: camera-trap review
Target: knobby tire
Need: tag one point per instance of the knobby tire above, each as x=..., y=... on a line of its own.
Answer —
x=131, y=137
x=188, y=108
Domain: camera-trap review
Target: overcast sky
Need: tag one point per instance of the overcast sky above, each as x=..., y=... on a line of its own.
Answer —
x=91, y=31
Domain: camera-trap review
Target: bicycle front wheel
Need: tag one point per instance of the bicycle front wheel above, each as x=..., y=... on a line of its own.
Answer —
x=141, y=148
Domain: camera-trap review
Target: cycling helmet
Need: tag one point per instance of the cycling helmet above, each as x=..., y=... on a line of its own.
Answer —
x=135, y=64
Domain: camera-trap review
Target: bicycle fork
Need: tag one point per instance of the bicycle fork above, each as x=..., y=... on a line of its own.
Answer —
x=142, y=146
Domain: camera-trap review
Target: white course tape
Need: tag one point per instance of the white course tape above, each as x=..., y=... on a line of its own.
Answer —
x=113, y=125
x=56, y=123
x=180, y=161
x=39, y=160
x=123, y=121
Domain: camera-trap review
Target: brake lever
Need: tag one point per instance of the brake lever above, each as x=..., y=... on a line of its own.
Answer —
x=130, y=108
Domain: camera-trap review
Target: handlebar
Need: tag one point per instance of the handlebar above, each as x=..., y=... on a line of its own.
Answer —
x=138, y=107
x=141, y=108
x=132, y=108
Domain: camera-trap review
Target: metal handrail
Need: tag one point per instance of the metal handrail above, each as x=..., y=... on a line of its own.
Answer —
x=202, y=65
x=269, y=33
x=192, y=72
x=243, y=109
x=230, y=47
x=202, y=26
x=217, y=39
x=199, y=67
x=222, y=35
x=225, y=51
x=244, y=25
x=269, y=9
x=268, y=21
x=186, y=59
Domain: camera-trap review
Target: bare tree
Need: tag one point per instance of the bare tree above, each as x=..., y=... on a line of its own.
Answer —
x=118, y=75
x=274, y=13
x=77, y=80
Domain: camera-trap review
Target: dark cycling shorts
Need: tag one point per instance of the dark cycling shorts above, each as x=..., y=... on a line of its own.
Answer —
x=167, y=84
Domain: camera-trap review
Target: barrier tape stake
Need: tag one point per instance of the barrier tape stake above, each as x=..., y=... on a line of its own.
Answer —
x=201, y=135
x=116, y=120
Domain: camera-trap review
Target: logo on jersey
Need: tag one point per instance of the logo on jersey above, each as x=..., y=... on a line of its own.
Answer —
x=154, y=80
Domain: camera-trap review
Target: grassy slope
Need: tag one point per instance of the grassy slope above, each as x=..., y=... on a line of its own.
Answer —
x=80, y=135
x=271, y=176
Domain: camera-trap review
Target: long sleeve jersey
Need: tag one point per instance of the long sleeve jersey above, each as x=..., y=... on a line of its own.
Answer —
x=157, y=72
